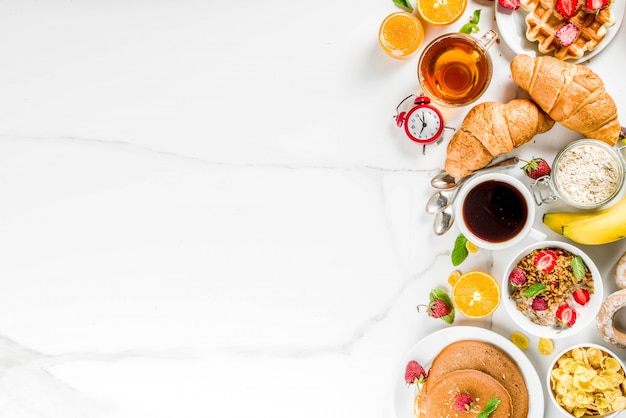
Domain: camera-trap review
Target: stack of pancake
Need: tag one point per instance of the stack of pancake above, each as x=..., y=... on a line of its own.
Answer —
x=479, y=369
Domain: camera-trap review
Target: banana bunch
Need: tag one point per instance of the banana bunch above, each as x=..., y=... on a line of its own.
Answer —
x=590, y=228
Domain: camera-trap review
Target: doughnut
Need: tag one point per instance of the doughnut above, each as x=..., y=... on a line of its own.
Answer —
x=620, y=272
x=606, y=316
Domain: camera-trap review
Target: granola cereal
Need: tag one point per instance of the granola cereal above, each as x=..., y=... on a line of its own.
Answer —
x=558, y=285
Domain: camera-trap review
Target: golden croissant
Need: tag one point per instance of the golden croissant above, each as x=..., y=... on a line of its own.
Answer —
x=571, y=94
x=490, y=129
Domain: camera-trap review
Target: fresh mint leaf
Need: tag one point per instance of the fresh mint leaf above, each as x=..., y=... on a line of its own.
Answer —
x=475, y=16
x=459, y=253
x=489, y=408
x=578, y=267
x=403, y=4
x=472, y=26
x=468, y=28
x=443, y=296
x=534, y=290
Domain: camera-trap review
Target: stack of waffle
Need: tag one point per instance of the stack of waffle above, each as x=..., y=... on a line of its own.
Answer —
x=544, y=20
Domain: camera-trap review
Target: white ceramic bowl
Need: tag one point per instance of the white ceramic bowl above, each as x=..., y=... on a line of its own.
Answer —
x=553, y=363
x=584, y=314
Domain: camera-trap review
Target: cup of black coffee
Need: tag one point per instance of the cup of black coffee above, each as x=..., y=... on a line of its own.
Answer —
x=496, y=211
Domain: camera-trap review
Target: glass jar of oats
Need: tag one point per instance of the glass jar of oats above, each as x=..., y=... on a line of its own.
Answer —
x=586, y=174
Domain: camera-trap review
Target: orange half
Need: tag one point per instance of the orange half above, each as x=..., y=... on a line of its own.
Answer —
x=476, y=294
x=441, y=12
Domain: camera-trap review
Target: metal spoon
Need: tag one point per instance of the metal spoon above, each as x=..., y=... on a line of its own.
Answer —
x=441, y=200
x=444, y=181
x=443, y=220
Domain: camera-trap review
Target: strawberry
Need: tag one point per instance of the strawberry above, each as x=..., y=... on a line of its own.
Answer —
x=535, y=168
x=517, y=277
x=597, y=5
x=463, y=403
x=437, y=308
x=539, y=304
x=414, y=373
x=510, y=4
x=567, y=34
x=545, y=260
x=567, y=8
x=566, y=314
x=581, y=296
x=440, y=306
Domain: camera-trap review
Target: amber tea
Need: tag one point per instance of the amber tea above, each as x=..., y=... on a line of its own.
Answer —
x=455, y=69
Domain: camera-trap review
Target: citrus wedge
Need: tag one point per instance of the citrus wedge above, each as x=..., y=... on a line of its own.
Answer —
x=476, y=294
x=440, y=12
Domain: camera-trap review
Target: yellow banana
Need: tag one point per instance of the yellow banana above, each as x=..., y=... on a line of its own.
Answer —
x=556, y=220
x=600, y=227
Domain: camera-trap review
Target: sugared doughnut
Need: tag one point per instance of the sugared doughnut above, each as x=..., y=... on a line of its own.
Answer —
x=606, y=317
x=620, y=272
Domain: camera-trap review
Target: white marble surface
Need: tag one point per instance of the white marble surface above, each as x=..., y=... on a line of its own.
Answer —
x=207, y=210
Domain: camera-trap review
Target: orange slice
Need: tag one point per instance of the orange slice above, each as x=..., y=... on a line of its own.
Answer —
x=400, y=34
x=476, y=294
x=440, y=12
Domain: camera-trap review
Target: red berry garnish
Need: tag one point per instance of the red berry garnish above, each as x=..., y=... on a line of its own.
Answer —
x=545, y=260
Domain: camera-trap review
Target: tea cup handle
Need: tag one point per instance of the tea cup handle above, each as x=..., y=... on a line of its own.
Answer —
x=488, y=39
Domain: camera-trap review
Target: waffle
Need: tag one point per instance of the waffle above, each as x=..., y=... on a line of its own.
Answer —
x=543, y=20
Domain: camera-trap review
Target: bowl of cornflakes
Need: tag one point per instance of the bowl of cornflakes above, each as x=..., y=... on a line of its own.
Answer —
x=587, y=380
x=552, y=289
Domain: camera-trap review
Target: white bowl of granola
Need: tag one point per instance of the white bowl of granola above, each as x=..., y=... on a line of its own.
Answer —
x=552, y=289
x=586, y=380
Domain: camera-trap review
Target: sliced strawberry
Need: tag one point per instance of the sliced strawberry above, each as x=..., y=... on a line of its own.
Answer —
x=545, y=260
x=510, y=4
x=567, y=34
x=567, y=8
x=581, y=296
x=566, y=314
x=595, y=5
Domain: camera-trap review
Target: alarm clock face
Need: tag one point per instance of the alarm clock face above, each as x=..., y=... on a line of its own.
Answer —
x=424, y=124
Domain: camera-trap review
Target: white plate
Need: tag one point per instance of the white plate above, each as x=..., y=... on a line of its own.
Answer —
x=512, y=29
x=427, y=349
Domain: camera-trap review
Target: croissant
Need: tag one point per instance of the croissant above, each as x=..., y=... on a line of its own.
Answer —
x=571, y=94
x=490, y=129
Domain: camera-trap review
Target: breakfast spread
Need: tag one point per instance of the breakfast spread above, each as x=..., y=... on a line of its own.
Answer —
x=548, y=284
x=571, y=94
x=567, y=28
x=488, y=372
x=587, y=381
x=551, y=285
x=491, y=129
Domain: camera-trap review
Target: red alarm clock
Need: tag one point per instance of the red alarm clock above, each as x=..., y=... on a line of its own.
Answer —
x=423, y=123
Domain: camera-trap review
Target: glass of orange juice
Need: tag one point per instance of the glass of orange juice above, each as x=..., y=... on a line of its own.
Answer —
x=400, y=34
